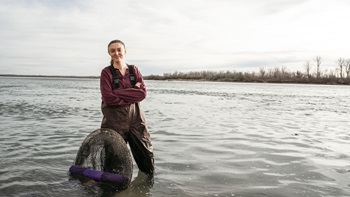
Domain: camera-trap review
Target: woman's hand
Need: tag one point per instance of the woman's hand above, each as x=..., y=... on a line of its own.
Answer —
x=138, y=84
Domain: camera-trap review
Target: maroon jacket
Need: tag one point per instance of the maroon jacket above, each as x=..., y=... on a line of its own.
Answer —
x=125, y=94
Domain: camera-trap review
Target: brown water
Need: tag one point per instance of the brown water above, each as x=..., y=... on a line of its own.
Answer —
x=210, y=139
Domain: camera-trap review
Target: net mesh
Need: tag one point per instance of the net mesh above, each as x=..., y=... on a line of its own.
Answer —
x=105, y=150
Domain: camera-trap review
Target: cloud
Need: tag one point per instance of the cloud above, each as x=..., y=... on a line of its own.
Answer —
x=70, y=37
x=36, y=36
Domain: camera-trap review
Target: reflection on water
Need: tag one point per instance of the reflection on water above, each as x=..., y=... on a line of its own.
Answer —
x=210, y=139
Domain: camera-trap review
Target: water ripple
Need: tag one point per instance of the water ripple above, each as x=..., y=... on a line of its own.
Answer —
x=210, y=139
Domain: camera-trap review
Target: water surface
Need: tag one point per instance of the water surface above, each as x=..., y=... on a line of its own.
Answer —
x=210, y=139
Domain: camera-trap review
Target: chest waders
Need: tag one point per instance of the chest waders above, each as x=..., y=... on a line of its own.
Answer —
x=129, y=122
x=115, y=77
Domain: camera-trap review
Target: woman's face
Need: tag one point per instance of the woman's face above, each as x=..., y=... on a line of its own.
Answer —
x=117, y=52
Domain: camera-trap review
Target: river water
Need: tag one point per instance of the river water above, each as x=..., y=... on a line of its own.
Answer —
x=210, y=139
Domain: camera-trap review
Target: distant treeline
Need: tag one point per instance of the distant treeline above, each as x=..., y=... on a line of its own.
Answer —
x=341, y=75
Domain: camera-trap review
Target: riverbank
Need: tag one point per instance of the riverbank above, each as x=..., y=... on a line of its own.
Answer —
x=243, y=78
x=268, y=77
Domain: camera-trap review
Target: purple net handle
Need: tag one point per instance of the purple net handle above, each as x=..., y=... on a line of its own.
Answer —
x=96, y=175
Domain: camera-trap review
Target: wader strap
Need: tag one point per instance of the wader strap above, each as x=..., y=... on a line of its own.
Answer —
x=131, y=74
x=115, y=77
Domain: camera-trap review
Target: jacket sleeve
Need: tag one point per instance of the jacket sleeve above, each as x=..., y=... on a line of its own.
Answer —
x=106, y=90
x=135, y=94
x=120, y=96
x=139, y=78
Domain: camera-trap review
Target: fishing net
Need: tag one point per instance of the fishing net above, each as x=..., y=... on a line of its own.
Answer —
x=104, y=156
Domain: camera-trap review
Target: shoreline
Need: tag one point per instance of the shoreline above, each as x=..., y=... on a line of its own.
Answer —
x=324, y=81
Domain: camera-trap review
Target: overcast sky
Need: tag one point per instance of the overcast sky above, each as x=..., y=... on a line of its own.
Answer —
x=70, y=37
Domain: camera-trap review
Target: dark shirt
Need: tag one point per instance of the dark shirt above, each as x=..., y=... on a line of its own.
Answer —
x=125, y=94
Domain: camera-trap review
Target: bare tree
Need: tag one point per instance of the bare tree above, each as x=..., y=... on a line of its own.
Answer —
x=318, y=63
x=262, y=72
x=332, y=74
x=284, y=72
x=307, y=67
x=347, y=68
x=276, y=72
x=299, y=75
x=341, y=63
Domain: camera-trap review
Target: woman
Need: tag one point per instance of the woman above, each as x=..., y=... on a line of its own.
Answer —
x=120, y=106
